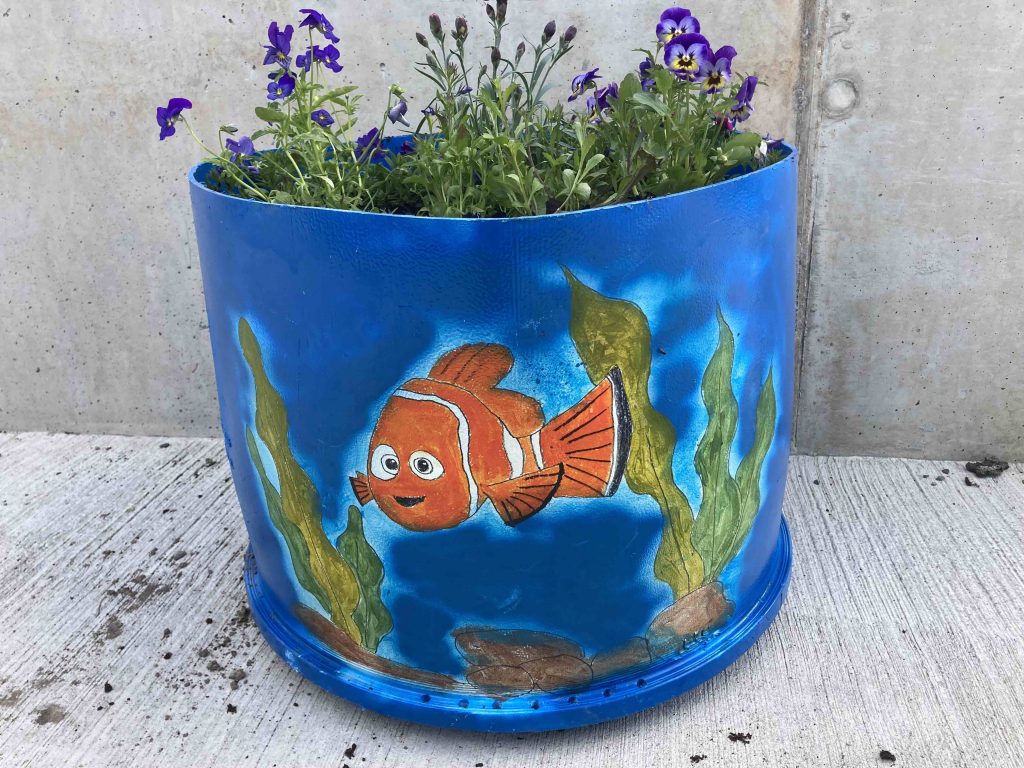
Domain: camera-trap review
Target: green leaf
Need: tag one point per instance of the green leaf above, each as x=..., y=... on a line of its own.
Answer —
x=651, y=101
x=269, y=115
x=298, y=550
x=748, y=139
x=300, y=502
x=228, y=129
x=718, y=519
x=630, y=85
x=334, y=95
x=611, y=333
x=371, y=615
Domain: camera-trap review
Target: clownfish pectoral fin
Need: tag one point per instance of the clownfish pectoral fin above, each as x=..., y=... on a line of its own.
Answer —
x=361, y=486
x=526, y=495
x=475, y=367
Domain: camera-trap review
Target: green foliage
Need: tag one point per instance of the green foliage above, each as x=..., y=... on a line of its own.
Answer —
x=346, y=583
x=490, y=143
x=613, y=332
x=728, y=504
x=371, y=615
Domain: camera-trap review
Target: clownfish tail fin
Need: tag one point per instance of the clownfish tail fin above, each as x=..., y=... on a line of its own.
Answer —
x=526, y=495
x=591, y=440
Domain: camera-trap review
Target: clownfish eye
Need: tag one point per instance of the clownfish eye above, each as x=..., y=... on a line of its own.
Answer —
x=384, y=463
x=425, y=466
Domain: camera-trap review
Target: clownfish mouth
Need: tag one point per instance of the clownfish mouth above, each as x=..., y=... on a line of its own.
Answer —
x=409, y=501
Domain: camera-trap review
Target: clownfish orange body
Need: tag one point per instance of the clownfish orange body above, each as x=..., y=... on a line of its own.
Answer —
x=446, y=444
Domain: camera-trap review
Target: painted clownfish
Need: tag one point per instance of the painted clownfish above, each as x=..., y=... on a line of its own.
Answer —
x=446, y=444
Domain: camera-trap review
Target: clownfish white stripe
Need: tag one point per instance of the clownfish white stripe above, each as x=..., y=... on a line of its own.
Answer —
x=460, y=417
x=535, y=444
x=514, y=452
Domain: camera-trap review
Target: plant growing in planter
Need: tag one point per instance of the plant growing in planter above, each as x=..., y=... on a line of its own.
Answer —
x=504, y=469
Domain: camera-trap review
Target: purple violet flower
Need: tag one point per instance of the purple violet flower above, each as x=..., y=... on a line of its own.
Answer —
x=582, y=82
x=464, y=91
x=686, y=55
x=718, y=69
x=646, y=82
x=281, y=87
x=407, y=148
x=397, y=113
x=676, y=21
x=429, y=111
x=322, y=118
x=319, y=22
x=368, y=145
x=598, y=103
x=241, y=148
x=328, y=55
x=741, y=110
x=167, y=116
x=280, y=45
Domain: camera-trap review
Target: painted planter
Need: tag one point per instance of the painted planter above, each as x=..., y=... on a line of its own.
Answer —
x=515, y=474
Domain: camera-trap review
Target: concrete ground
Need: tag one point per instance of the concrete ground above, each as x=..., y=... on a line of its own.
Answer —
x=125, y=640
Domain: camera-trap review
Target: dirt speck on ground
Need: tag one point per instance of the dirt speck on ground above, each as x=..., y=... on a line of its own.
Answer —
x=969, y=482
x=742, y=738
x=51, y=713
x=987, y=467
x=232, y=709
x=886, y=756
x=107, y=687
x=10, y=699
x=351, y=751
x=697, y=758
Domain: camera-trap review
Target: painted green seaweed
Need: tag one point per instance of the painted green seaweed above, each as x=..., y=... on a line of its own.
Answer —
x=728, y=503
x=346, y=581
x=613, y=332
x=371, y=615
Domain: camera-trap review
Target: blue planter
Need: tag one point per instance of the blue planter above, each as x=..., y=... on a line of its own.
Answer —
x=509, y=474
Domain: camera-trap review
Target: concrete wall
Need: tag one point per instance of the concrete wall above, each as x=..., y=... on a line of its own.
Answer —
x=907, y=322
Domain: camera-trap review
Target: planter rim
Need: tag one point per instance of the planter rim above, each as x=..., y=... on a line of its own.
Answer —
x=199, y=170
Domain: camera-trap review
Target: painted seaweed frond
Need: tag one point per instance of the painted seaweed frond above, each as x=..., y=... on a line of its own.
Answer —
x=728, y=503
x=371, y=615
x=613, y=332
x=336, y=577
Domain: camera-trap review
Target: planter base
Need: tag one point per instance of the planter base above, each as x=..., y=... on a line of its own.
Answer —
x=459, y=705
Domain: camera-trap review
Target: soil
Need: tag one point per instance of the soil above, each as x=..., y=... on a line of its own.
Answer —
x=742, y=738
x=697, y=758
x=887, y=756
x=987, y=467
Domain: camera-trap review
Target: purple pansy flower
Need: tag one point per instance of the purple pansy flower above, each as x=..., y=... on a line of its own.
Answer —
x=773, y=145
x=676, y=21
x=322, y=118
x=686, y=55
x=646, y=82
x=167, y=116
x=368, y=145
x=328, y=55
x=397, y=113
x=429, y=111
x=281, y=87
x=598, y=101
x=407, y=148
x=280, y=45
x=241, y=148
x=718, y=69
x=741, y=110
x=464, y=91
x=319, y=22
x=582, y=81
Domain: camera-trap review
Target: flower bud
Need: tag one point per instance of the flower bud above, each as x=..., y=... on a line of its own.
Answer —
x=490, y=11
x=549, y=31
x=520, y=50
x=461, y=28
x=569, y=35
x=495, y=56
x=422, y=39
x=435, y=25
x=502, y=10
